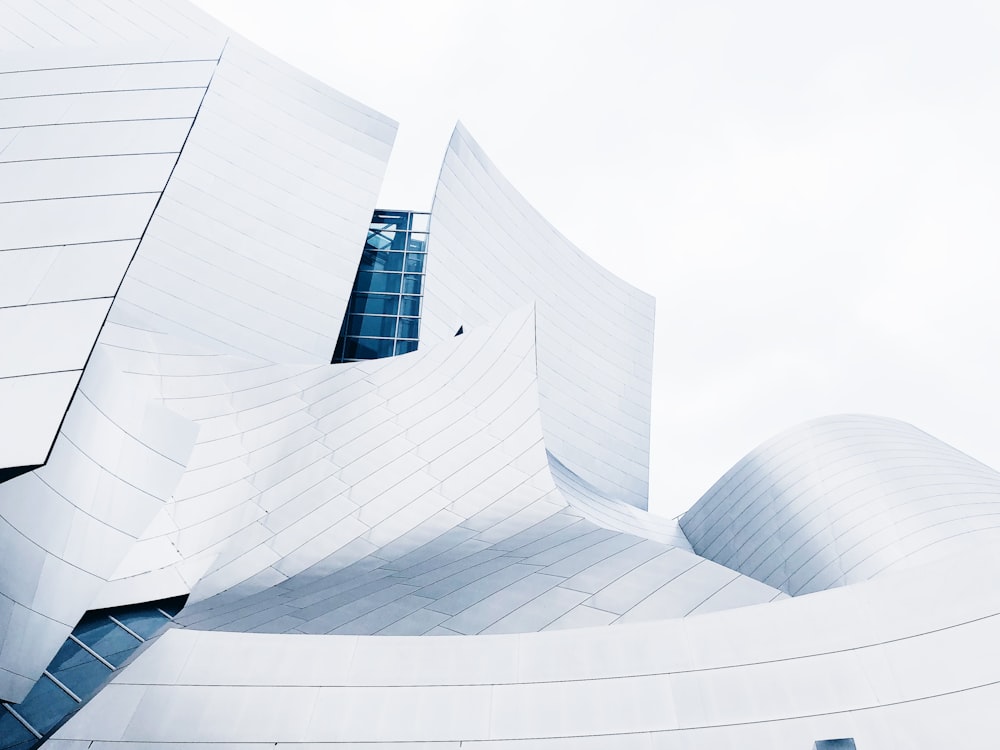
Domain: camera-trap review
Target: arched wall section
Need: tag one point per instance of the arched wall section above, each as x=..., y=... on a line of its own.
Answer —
x=842, y=499
x=489, y=252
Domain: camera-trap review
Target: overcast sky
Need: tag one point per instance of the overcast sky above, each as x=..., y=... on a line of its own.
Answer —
x=810, y=190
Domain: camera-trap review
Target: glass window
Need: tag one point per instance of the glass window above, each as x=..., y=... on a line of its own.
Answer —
x=375, y=304
x=367, y=348
x=396, y=219
x=106, y=638
x=145, y=621
x=414, y=263
x=417, y=243
x=410, y=306
x=369, y=281
x=46, y=705
x=412, y=284
x=420, y=222
x=79, y=670
x=173, y=606
x=402, y=347
x=381, y=260
x=13, y=735
x=408, y=328
x=378, y=240
x=371, y=325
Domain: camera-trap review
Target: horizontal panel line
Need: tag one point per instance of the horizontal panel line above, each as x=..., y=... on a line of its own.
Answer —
x=47, y=372
x=81, y=197
x=54, y=302
x=68, y=244
x=101, y=91
x=92, y=122
x=108, y=65
x=90, y=156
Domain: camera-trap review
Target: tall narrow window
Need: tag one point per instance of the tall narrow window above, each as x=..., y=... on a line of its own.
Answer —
x=383, y=315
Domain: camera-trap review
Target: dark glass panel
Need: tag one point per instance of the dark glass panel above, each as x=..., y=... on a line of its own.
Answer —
x=402, y=347
x=371, y=325
x=13, y=735
x=408, y=328
x=379, y=240
x=375, y=304
x=414, y=263
x=172, y=606
x=106, y=638
x=412, y=284
x=398, y=241
x=46, y=705
x=410, y=306
x=417, y=243
x=377, y=282
x=78, y=670
x=375, y=260
x=367, y=348
x=338, y=353
x=147, y=621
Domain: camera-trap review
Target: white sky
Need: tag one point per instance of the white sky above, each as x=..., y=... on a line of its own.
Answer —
x=810, y=190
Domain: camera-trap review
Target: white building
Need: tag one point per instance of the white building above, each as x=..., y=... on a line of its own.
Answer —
x=445, y=548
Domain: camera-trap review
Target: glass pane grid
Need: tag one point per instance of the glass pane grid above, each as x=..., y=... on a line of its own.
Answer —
x=78, y=670
x=383, y=314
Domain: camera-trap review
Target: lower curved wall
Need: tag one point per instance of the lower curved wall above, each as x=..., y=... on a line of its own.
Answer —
x=870, y=661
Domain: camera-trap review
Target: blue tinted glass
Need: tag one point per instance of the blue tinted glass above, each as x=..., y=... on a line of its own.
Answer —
x=146, y=621
x=13, y=735
x=367, y=348
x=375, y=304
x=370, y=325
x=173, y=606
x=420, y=222
x=377, y=282
x=78, y=670
x=46, y=705
x=378, y=240
x=106, y=638
x=386, y=239
x=414, y=263
x=411, y=284
x=410, y=306
x=402, y=347
x=381, y=261
x=417, y=243
x=408, y=328
x=394, y=219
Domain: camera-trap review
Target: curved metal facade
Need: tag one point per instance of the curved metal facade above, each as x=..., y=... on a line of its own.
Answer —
x=185, y=216
x=490, y=252
x=843, y=499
